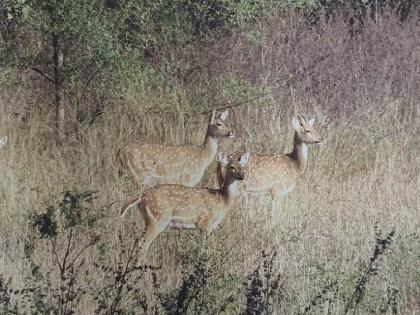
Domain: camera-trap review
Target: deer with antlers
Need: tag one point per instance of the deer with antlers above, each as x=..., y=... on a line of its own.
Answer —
x=277, y=174
x=182, y=207
x=167, y=164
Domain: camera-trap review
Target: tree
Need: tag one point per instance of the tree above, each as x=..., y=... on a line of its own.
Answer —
x=75, y=40
x=77, y=43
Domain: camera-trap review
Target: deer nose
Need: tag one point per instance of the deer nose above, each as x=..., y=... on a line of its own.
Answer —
x=231, y=134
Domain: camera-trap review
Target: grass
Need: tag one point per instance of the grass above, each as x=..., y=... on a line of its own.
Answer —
x=324, y=229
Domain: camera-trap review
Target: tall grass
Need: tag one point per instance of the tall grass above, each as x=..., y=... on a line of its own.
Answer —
x=363, y=89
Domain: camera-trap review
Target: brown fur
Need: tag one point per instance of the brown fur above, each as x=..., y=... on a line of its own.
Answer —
x=166, y=164
x=184, y=207
x=277, y=174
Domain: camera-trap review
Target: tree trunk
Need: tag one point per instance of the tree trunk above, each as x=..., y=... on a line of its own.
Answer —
x=58, y=84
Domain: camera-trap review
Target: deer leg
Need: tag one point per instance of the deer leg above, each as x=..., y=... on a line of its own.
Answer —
x=150, y=235
x=153, y=229
x=154, y=226
x=205, y=233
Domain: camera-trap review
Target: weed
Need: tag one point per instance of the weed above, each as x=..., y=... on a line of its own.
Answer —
x=382, y=246
x=123, y=280
x=263, y=287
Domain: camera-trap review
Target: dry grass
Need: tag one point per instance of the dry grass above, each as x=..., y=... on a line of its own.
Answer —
x=366, y=173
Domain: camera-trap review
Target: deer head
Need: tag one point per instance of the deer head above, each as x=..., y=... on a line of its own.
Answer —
x=217, y=127
x=232, y=166
x=304, y=130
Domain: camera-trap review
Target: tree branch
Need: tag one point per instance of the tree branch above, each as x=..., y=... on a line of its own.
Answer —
x=42, y=74
x=234, y=104
x=92, y=242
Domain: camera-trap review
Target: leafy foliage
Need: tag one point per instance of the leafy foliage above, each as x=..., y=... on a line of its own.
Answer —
x=71, y=212
x=62, y=228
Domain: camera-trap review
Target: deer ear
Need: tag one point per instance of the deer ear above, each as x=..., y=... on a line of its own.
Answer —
x=211, y=118
x=224, y=115
x=244, y=159
x=311, y=122
x=295, y=123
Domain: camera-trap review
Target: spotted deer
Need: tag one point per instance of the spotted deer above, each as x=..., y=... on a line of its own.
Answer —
x=277, y=174
x=3, y=141
x=181, y=207
x=167, y=164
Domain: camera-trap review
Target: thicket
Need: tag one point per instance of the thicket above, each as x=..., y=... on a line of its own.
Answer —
x=83, y=55
x=350, y=63
x=66, y=231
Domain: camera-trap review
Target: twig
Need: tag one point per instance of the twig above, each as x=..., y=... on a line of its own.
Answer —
x=121, y=278
x=234, y=104
x=381, y=246
x=92, y=242
x=42, y=73
x=67, y=253
x=54, y=251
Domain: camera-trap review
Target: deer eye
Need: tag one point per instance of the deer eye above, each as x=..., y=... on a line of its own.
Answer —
x=219, y=124
x=232, y=168
x=307, y=131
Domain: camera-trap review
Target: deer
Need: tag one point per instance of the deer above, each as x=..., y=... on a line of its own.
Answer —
x=167, y=164
x=182, y=207
x=3, y=141
x=277, y=174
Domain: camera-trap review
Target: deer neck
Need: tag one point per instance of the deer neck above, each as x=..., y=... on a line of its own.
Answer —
x=228, y=190
x=299, y=154
x=210, y=147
